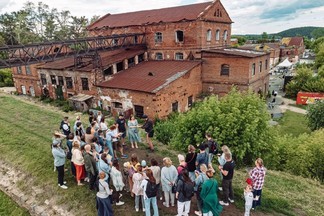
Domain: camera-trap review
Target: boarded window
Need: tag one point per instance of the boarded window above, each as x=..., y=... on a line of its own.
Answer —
x=108, y=71
x=209, y=35
x=179, y=36
x=139, y=111
x=43, y=79
x=120, y=66
x=217, y=34
x=179, y=56
x=158, y=37
x=190, y=100
x=60, y=81
x=85, y=84
x=225, y=69
x=28, y=71
x=53, y=79
x=69, y=82
x=253, y=69
x=175, y=106
x=158, y=56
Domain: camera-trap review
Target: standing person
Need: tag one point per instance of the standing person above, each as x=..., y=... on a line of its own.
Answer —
x=79, y=131
x=77, y=120
x=148, y=127
x=132, y=168
x=103, y=202
x=88, y=135
x=104, y=166
x=102, y=125
x=65, y=126
x=118, y=183
x=137, y=190
x=109, y=140
x=133, y=135
x=90, y=166
x=202, y=157
x=185, y=191
x=257, y=174
x=227, y=171
x=191, y=161
x=201, y=177
x=156, y=170
x=169, y=175
x=150, y=190
x=208, y=193
x=182, y=164
x=221, y=160
x=211, y=147
x=91, y=117
x=99, y=116
x=113, y=133
x=121, y=124
x=78, y=162
x=248, y=196
x=59, y=161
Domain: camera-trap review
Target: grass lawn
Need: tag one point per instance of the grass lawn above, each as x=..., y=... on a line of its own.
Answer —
x=9, y=208
x=293, y=123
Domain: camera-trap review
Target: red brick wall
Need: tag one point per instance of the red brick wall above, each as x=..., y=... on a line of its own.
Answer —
x=27, y=80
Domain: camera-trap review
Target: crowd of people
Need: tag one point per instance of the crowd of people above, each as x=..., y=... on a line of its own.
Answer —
x=95, y=154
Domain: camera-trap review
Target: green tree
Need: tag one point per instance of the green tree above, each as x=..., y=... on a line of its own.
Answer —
x=319, y=59
x=315, y=115
x=5, y=78
x=317, y=33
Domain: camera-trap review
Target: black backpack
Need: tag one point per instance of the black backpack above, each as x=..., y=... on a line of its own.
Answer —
x=151, y=189
x=188, y=190
x=213, y=147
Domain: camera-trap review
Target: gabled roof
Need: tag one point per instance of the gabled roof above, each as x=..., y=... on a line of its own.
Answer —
x=296, y=41
x=236, y=52
x=138, y=18
x=150, y=76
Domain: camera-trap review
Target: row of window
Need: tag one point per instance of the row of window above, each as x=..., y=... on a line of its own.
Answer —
x=27, y=69
x=175, y=105
x=260, y=67
x=68, y=81
x=178, y=56
x=225, y=68
x=217, y=35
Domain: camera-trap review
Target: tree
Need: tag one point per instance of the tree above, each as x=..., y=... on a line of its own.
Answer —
x=317, y=33
x=319, y=59
x=5, y=78
x=315, y=115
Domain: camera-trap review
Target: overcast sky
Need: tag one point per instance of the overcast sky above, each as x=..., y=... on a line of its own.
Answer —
x=249, y=16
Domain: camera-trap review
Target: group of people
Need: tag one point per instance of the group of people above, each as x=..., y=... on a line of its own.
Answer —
x=95, y=154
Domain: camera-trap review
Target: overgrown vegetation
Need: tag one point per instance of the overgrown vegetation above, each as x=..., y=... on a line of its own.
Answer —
x=62, y=104
x=315, y=115
x=9, y=208
x=6, y=77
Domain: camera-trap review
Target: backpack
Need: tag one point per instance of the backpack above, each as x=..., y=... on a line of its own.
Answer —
x=188, y=190
x=213, y=147
x=151, y=189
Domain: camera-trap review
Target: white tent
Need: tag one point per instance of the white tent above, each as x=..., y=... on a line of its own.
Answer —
x=285, y=64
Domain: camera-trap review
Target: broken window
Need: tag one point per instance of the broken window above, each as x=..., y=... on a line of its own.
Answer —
x=225, y=70
x=53, y=79
x=140, y=58
x=131, y=62
x=179, y=36
x=179, y=56
x=120, y=66
x=108, y=71
x=158, y=37
x=60, y=81
x=158, y=56
x=190, y=100
x=69, y=82
x=43, y=79
x=209, y=35
x=85, y=84
x=118, y=105
x=253, y=69
x=28, y=71
x=139, y=111
x=175, y=106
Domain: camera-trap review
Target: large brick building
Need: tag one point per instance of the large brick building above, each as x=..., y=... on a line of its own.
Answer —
x=186, y=53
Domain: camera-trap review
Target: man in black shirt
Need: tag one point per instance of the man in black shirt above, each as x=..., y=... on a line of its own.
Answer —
x=121, y=122
x=227, y=171
x=148, y=127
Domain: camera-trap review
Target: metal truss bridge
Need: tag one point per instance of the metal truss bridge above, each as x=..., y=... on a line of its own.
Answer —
x=18, y=55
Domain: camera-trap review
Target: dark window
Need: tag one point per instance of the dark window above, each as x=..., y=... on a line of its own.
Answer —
x=85, y=84
x=60, y=81
x=225, y=70
x=179, y=36
x=158, y=56
x=131, y=62
x=253, y=69
x=56, y=49
x=53, y=79
x=260, y=66
x=139, y=111
x=190, y=101
x=217, y=35
x=120, y=66
x=175, y=106
x=209, y=35
x=43, y=79
x=108, y=71
x=115, y=42
x=140, y=58
x=266, y=64
x=19, y=70
x=158, y=37
x=28, y=71
x=69, y=82
x=179, y=56
x=118, y=105
x=135, y=39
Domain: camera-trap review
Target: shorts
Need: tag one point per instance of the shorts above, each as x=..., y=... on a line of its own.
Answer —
x=124, y=134
x=116, y=145
x=151, y=134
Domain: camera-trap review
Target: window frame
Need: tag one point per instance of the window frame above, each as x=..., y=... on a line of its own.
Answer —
x=158, y=54
x=190, y=101
x=217, y=36
x=177, y=36
x=253, y=69
x=158, y=37
x=225, y=35
x=85, y=84
x=175, y=105
x=260, y=66
x=69, y=82
x=60, y=80
x=209, y=35
x=19, y=70
x=43, y=79
x=53, y=78
x=28, y=70
x=177, y=54
x=225, y=70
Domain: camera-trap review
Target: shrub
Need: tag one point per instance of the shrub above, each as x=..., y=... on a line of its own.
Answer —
x=315, y=115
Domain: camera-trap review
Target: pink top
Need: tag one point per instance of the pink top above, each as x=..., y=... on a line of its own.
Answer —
x=137, y=179
x=181, y=167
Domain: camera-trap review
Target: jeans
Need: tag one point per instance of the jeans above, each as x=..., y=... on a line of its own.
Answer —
x=227, y=190
x=210, y=158
x=257, y=202
x=186, y=206
x=192, y=176
x=137, y=198
x=208, y=214
x=60, y=174
x=109, y=145
x=148, y=202
x=247, y=210
x=167, y=196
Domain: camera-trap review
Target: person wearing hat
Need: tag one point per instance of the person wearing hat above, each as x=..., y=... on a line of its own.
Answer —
x=148, y=127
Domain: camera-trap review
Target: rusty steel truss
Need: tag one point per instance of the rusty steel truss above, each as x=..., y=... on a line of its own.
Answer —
x=82, y=48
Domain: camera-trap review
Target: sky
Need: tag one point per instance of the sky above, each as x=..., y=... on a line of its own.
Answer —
x=249, y=16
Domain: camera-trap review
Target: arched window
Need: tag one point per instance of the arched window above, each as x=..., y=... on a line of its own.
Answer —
x=225, y=70
x=209, y=35
x=158, y=56
x=217, y=34
x=158, y=37
x=225, y=35
x=179, y=56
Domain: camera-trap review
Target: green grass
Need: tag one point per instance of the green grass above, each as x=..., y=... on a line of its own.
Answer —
x=299, y=106
x=9, y=208
x=293, y=123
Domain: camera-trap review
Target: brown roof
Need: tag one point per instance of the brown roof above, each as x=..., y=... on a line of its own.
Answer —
x=107, y=58
x=150, y=76
x=236, y=52
x=295, y=41
x=172, y=14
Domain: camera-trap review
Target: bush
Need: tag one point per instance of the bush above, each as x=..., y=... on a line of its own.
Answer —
x=315, y=115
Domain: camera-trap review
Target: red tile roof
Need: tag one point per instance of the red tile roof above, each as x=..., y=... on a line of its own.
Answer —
x=172, y=14
x=296, y=41
x=236, y=52
x=151, y=76
x=107, y=58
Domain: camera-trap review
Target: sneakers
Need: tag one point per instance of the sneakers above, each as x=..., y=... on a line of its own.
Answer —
x=86, y=179
x=220, y=188
x=136, y=209
x=63, y=186
x=231, y=200
x=124, y=156
x=143, y=209
x=164, y=203
x=223, y=203
x=198, y=213
x=63, y=183
x=120, y=203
